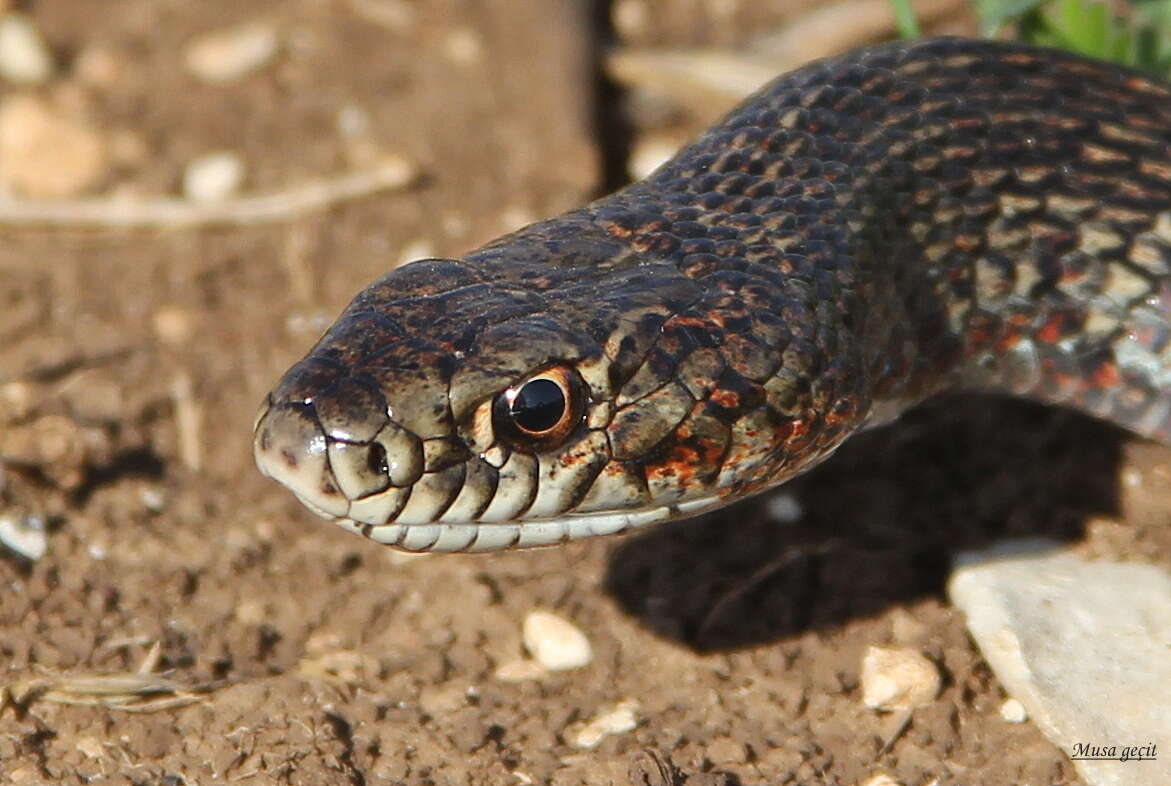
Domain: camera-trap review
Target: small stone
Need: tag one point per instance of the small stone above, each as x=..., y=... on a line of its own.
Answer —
x=555, y=642
x=439, y=700
x=726, y=750
x=90, y=746
x=353, y=120
x=1081, y=644
x=153, y=499
x=1013, y=711
x=213, y=177
x=173, y=325
x=880, y=779
x=46, y=154
x=619, y=719
x=630, y=18
x=464, y=47
x=227, y=55
x=784, y=508
x=24, y=56
x=16, y=401
x=898, y=679
x=1131, y=478
x=24, y=535
x=520, y=670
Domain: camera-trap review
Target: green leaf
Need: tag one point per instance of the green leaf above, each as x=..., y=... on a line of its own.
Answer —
x=905, y=19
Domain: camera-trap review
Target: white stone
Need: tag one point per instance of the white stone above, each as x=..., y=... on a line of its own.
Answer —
x=226, y=55
x=617, y=720
x=1013, y=711
x=897, y=679
x=784, y=508
x=24, y=535
x=24, y=56
x=520, y=670
x=1084, y=646
x=44, y=153
x=213, y=177
x=555, y=642
x=880, y=779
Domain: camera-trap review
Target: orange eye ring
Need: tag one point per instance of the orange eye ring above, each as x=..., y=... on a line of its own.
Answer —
x=542, y=410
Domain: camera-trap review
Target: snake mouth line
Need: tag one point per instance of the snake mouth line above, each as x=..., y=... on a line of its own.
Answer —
x=446, y=510
x=497, y=536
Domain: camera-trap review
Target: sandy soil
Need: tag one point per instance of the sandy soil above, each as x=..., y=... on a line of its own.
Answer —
x=132, y=363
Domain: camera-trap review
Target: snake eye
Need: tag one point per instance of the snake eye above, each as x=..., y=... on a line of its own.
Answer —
x=542, y=410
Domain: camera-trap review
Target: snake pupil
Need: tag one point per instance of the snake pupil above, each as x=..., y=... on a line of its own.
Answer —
x=538, y=406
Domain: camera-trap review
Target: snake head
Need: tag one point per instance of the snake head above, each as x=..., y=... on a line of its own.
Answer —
x=546, y=388
x=446, y=411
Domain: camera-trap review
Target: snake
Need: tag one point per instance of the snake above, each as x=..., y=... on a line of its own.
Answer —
x=861, y=234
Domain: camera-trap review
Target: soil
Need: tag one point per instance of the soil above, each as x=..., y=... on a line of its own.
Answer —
x=132, y=363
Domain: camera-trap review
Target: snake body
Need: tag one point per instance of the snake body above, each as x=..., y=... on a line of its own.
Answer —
x=858, y=235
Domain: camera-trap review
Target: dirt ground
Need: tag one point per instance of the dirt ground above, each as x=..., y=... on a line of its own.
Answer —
x=132, y=363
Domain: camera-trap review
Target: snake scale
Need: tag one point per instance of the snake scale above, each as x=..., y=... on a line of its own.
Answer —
x=858, y=235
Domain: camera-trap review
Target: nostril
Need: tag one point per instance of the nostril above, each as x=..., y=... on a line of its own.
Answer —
x=377, y=461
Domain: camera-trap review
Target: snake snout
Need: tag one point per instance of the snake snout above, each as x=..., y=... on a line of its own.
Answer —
x=339, y=452
x=290, y=447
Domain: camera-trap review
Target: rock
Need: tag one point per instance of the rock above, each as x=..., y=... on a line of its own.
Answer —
x=555, y=642
x=880, y=779
x=227, y=55
x=24, y=535
x=1083, y=646
x=520, y=670
x=44, y=153
x=24, y=56
x=898, y=679
x=619, y=719
x=213, y=177
x=1012, y=711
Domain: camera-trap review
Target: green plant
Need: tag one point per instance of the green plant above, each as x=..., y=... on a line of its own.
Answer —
x=1137, y=33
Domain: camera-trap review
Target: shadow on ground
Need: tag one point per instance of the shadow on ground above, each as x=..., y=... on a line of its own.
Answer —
x=878, y=526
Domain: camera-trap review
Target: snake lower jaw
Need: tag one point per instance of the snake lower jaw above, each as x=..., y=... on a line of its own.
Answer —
x=498, y=536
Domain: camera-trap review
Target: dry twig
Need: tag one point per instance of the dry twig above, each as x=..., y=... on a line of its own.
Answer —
x=172, y=212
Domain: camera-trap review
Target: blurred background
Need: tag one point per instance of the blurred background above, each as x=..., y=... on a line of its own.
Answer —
x=190, y=191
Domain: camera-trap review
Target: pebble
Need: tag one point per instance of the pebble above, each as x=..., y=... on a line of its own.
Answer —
x=556, y=643
x=173, y=325
x=520, y=670
x=619, y=719
x=898, y=679
x=24, y=56
x=464, y=47
x=213, y=177
x=44, y=153
x=1012, y=711
x=229, y=54
x=1081, y=644
x=784, y=508
x=24, y=535
x=880, y=779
